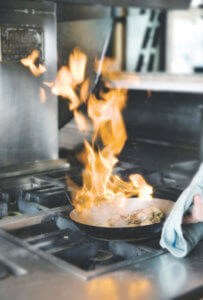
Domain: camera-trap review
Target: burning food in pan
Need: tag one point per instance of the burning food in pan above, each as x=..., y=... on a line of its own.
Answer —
x=140, y=217
x=137, y=219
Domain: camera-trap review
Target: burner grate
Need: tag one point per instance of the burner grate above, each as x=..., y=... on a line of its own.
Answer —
x=48, y=232
x=80, y=254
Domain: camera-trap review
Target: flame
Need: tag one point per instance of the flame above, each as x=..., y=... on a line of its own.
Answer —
x=64, y=86
x=30, y=63
x=81, y=121
x=105, y=112
x=107, y=65
x=113, y=77
x=107, y=119
x=84, y=90
x=99, y=183
x=77, y=65
x=69, y=78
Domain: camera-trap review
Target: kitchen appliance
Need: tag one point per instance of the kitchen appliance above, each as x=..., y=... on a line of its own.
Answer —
x=42, y=253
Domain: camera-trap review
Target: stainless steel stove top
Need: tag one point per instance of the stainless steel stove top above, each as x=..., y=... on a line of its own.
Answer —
x=35, y=224
x=61, y=242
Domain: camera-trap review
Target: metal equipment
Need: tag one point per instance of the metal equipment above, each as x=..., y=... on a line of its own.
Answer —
x=43, y=254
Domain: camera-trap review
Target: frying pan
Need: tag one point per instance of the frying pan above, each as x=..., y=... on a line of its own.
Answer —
x=126, y=233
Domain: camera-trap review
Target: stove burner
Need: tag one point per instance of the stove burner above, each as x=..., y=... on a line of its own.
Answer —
x=14, y=213
x=102, y=255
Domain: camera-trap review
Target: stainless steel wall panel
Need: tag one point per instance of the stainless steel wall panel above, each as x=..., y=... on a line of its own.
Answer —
x=28, y=128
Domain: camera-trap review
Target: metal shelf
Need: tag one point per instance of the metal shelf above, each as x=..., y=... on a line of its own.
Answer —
x=156, y=82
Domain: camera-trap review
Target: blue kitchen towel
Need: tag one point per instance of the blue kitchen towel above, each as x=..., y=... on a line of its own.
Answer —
x=177, y=238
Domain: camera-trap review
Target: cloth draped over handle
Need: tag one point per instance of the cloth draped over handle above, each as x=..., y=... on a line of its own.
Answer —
x=177, y=238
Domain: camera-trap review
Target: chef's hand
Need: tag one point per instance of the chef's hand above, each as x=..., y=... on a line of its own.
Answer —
x=197, y=212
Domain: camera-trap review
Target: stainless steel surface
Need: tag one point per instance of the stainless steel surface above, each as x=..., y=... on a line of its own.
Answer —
x=75, y=12
x=28, y=127
x=173, y=4
x=160, y=277
x=91, y=36
x=29, y=219
x=12, y=267
x=157, y=82
x=36, y=167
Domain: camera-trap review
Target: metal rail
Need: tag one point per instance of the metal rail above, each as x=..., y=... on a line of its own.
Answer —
x=29, y=219
x=156, y=82
x=164, y=4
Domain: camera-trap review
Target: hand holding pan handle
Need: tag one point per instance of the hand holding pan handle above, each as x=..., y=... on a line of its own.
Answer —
x=197, y=211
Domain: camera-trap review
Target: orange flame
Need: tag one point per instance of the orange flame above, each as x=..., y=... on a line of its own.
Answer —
x=77, y=65
x=108, y=65
x=81, y=121
x=84, y=90
x=69, y=78
x=99, y=182
x=64, y=87
x=107, y=119
x=113, y=77
x=30, y=63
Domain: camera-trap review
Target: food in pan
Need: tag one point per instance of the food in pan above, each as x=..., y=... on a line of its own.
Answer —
x=140, y=217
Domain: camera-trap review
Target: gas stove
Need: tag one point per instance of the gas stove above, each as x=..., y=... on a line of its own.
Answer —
x=37, y=236
x=80, y=254
x=35, y=212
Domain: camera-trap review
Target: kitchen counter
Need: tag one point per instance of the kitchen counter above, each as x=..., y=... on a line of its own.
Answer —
x=161, y=277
